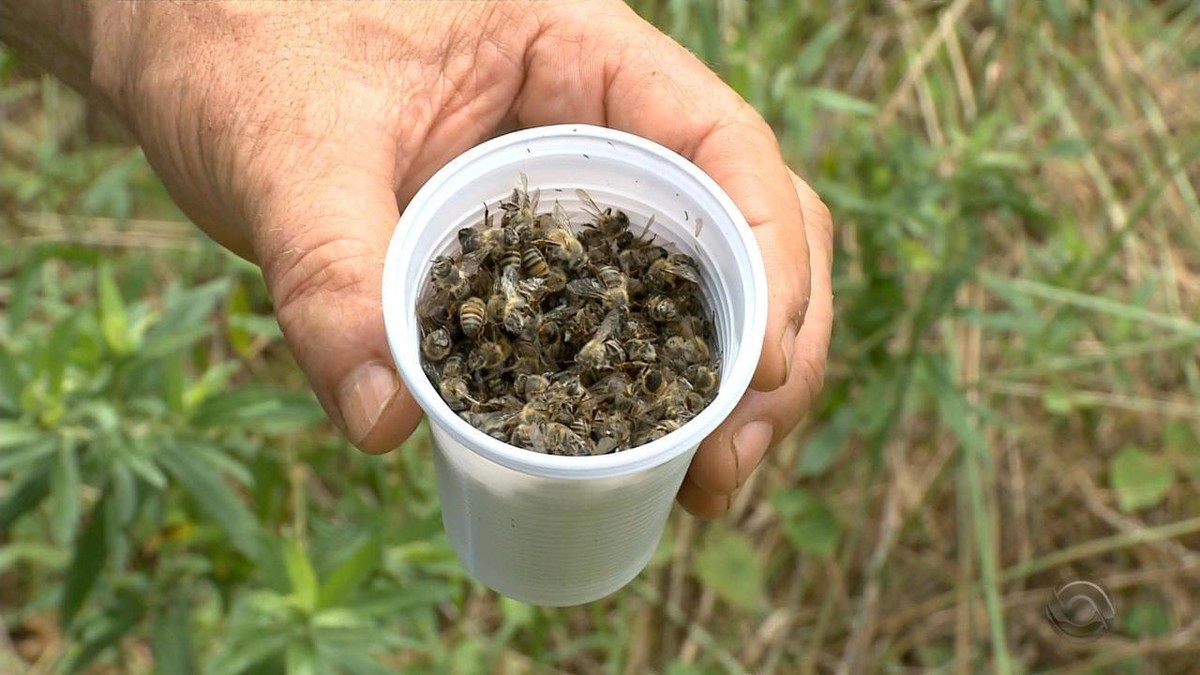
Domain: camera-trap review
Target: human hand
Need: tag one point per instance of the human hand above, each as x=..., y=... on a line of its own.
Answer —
x=292, y=133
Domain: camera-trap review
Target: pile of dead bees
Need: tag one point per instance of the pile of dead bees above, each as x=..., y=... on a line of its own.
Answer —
x=567, y=340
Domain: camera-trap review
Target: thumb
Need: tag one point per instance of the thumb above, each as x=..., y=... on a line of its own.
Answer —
x=321, y=240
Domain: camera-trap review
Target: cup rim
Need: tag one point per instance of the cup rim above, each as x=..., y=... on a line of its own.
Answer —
x=399, y=315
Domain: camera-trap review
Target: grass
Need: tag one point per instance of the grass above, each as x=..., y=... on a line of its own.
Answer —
x=1011, y=398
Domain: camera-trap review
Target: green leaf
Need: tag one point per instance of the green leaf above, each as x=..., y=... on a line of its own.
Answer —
x=390, y=605
x=41, y=556
x=14, y=460
x=351, y=661
x=808, y=521
x=300, y=573
x=811, y=59
x=26, y=495
x=107, y=631
x=87, y=561
x=114, y=322
x=185, y=318
x=265, y=410
x=122, y=505
x=64, y=496
x=517, y=613
x=214, y=497
x=15, y=433
x=302, y=657
x=21, y=298
x=251, y=646
x=348, y=576
x=1058, y=402
x=1140, y=479
x=1147, y=618
x=820, y=450
x=171, y=640
x=728, y=566
x=52, y=360
x=834, y=100
x=12, y=381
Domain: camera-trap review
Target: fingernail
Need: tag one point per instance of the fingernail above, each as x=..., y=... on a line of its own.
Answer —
x=749, y=445
x=363, y=396
x=788, y=344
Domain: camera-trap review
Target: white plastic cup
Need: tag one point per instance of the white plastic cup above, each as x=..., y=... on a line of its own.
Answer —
x=552, y=530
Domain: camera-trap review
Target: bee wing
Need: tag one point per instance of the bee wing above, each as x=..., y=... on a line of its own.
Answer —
x=431, y=305
x=531, y=286
x=646, y=230
x=508, y=280
x=586, y=288
x=589, y=204
x=561, y=218
x=685, y=271
x=609, y=325
x=471, y=262
x=537, y=439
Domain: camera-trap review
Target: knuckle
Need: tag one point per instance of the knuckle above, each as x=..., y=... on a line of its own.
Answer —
x=317, y=270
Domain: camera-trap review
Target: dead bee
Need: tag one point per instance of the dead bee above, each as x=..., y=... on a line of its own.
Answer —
x=667, y=271
x=558, y=439
x=639, y=260
x=530, y=385
x=520, y=210
x=581, y=425
x=508, y=257
x=694, y=403
x=615, y=390
x=491, y=423
x=533, y=263
x=555, y=281
x=598, y=352
x=485, y=237
x=656, y=432
x=583, y=322
x=610, y=222
x=528, y=359
x=628, y=241
x=660, y=308
x=525, y=435
x=610, y=288
x=562, y=243
x=615, y=292
x=571, y=389
x=457, y=393
x=702, y=378
x=454, y=366
x=454, y=278
x=489, y=355
x=471, y=315
x=653, y=382
x=686, y=348
x=436, y=345
x=515, y=314
x=613, y=426
x=641, y=351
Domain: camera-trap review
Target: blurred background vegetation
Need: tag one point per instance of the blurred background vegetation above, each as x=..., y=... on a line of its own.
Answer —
x=1012, y=397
